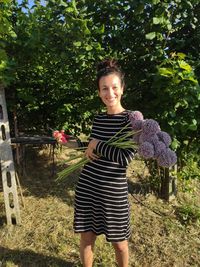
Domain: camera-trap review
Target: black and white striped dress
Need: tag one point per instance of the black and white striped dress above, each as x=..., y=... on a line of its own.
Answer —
x=101, y=197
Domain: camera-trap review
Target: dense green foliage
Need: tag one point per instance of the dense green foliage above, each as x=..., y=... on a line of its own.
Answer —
x=52, y=59
x=6, y=35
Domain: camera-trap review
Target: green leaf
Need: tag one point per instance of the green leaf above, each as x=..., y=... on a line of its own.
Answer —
x=3, y=55
x=68, y=107
x=183, y=103
x=69, y=9
x=192, y=127
x=192, y=79
x=88, y=48
x=157, y=20
x=175, y=144
x=3, y=64
x=184, y=65
x=77, y=44
x=169, y=26
x=155, y=2
x=168, y=72
x=150, y=35
x=176, y=80
x=75, y=8
x=62, y=3
x=100, y=29
x=181, y=55
x=97, y=46
x=194, y=122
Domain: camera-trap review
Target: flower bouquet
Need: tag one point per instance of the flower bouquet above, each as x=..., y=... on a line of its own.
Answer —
x=146, y=137
x=61, y=136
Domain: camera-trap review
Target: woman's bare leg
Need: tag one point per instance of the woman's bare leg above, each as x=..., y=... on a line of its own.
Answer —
x=121, y=253
x=86, y=248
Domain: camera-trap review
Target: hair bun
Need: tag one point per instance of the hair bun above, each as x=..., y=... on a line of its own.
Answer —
x=107, y=67
x=107, y=64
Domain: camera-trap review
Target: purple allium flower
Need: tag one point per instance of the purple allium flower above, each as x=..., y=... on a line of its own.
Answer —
x=150, y=127
x=160, y=148
x=164, y=137
x=136, y=138
x=136, y=115
x=136, y=125
x=167, y=159
x=148, y=138
x=146, y=150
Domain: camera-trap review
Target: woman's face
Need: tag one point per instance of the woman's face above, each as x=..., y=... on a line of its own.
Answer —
x=110, y=90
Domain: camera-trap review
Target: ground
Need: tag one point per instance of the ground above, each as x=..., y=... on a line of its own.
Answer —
x=163, y=234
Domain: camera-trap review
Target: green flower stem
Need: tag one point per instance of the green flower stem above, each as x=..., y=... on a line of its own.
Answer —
x=119, y=142
x=71, y=158
x=123, y=137
x=71, y=168
x=114, y=136
x=80, y=148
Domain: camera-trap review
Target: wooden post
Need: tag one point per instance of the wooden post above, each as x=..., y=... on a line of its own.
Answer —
x=167, y=179
x=164, y=188
x=168, y=189
x=7, y=166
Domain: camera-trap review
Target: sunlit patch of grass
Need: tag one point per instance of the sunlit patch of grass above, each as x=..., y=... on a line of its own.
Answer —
x=188, y=213
x=104, y=253
x=8, y=264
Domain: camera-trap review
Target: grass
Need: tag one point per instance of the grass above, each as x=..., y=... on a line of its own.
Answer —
x=161, y=237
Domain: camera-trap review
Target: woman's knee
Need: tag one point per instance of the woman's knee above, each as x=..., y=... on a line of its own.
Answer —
x=88, y=238
x=121, y=246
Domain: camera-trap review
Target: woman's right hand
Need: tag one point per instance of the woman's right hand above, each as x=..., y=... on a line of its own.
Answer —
x=89, y=152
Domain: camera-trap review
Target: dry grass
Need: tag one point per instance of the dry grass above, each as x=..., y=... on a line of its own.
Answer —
x=46, y=238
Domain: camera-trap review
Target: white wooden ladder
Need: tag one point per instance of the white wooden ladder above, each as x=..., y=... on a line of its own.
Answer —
x=7, y=166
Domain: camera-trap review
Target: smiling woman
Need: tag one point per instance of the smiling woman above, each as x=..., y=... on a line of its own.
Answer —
x=101, y=197
x=110, y=82
x=110, y=92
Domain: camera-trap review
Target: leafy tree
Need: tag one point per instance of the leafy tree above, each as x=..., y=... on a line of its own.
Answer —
x=178, y=91
x=6, y=33
x=58, y=46
x=56, y=68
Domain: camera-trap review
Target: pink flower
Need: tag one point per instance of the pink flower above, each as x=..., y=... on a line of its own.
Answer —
x=56, y=134
x=60, y=136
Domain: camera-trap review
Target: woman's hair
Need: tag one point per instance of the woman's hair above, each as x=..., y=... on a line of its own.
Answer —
x=109, y=66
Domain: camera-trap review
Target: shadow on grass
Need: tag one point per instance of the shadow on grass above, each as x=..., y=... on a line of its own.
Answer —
x=38, y=180
x=140, y=188
x=28, y=258
x=2, y=222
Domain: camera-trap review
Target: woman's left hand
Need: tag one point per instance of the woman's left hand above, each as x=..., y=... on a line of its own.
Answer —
x=89, y=152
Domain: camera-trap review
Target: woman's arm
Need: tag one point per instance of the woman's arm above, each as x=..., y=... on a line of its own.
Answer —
x=89, y=152
x=115, y=154
x=112, y=153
